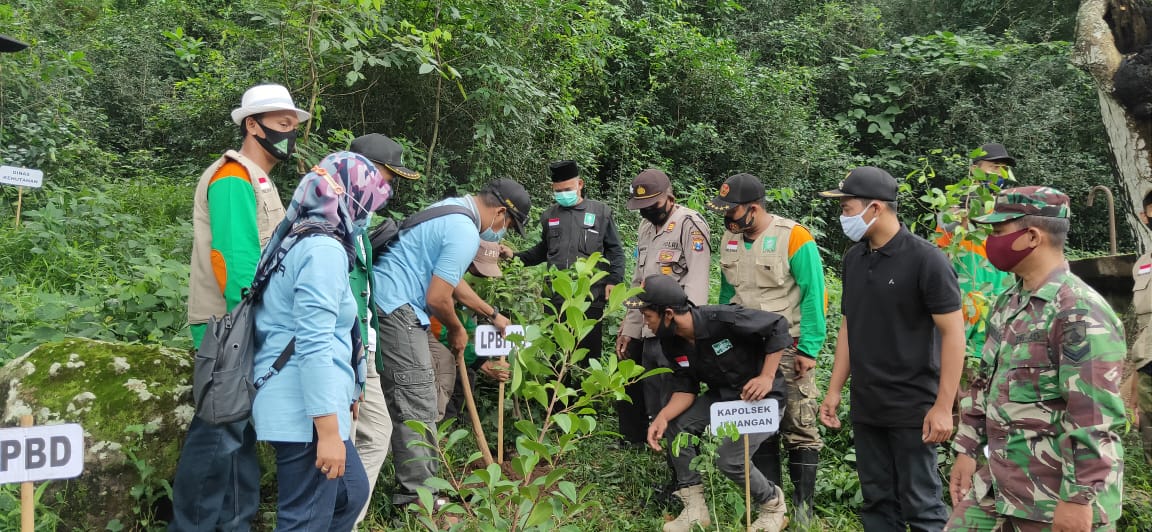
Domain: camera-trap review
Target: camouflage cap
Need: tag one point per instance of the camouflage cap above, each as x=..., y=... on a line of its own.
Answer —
x=1014, y=203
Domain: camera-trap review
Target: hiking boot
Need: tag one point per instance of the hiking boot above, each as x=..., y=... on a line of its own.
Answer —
x=695, y=510
x=772, y=516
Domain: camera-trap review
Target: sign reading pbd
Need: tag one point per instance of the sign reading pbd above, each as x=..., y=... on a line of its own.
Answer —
x=489, y=342
x=41, y=453
x=750, y=417
x=21, y=177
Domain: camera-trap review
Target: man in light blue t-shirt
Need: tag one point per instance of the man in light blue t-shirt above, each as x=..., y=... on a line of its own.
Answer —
x=415, y=278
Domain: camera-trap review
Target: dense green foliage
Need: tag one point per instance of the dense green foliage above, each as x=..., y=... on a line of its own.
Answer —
x=123, y=102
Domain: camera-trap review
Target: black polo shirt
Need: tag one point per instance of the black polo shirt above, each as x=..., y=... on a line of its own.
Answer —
x=729, y=349
x=889, y=297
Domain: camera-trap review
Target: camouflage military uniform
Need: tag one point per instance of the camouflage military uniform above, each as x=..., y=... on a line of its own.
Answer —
x=1046, y=402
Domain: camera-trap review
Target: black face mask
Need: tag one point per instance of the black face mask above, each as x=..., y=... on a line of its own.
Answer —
x=665, y=330
x=739, y=225
x=279, y=144
x=656, y=214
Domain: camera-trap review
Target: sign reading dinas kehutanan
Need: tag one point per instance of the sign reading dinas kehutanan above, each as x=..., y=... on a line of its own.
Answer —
x=21, y=177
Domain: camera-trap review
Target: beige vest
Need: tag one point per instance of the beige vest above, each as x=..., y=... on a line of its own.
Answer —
x=761, y=275
x=1141, y=352
x=205, y=298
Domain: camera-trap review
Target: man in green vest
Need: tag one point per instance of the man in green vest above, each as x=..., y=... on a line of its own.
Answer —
x=771, y=263
x=374, y=424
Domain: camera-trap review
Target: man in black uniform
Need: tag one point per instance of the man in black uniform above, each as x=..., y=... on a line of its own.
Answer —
x=736, y=351
x=573, y=228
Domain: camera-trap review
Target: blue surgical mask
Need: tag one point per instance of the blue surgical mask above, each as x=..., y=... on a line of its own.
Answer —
x=488, y=235
x=854, y=226
x=567, y=198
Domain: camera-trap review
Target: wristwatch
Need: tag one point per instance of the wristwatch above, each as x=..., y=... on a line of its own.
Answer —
x=495, y=314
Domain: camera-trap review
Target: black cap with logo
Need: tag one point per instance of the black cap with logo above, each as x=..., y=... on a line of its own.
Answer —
x=660, y=292
x=648, y=187
x=995, y=152
x=866, y=182
x=382, y=150
x=737, y=190
x=512, y=195
x=8, y=44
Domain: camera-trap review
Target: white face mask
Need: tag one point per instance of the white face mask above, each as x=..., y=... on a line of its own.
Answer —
x=854, y=226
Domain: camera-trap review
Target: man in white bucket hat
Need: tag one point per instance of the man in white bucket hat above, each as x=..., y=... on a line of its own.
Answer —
x=236, y=208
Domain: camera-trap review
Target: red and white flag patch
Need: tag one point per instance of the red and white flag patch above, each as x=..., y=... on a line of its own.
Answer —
x=732, y=244
x=553, y=222
x=682, y=360
x=1144, y=269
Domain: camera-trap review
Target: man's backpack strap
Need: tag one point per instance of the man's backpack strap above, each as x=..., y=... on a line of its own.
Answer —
x=388, y=231
x=436, y=212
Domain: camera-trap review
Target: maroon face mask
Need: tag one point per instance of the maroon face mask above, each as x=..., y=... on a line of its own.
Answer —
x=1000, y=252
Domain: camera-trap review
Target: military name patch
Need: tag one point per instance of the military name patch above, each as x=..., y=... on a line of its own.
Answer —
x=721, y=347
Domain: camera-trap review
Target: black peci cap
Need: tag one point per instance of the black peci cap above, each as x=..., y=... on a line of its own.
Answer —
x=563, y=170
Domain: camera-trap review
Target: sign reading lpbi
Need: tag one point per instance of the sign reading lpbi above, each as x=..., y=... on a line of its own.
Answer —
x=29, y=454
x=750, y=417
x=21, y=177
x=489, y=342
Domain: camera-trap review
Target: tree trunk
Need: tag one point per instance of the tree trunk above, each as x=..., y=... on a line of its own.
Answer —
x=1129, y=138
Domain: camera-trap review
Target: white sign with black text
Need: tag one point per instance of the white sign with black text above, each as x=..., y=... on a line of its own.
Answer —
x=21, y=177
x=45, y=452
x=750, y=417
x=490, y=343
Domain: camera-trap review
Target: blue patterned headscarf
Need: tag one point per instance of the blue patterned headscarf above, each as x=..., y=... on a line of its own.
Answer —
x=336, y=196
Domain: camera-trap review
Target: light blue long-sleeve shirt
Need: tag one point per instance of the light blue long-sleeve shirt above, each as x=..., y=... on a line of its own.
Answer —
x=443, y=247
x=311, y=300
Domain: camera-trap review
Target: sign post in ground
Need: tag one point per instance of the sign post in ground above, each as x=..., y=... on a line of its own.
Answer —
x=490, y=343
x=29, y=454
x=20, y=178
x=749, y=417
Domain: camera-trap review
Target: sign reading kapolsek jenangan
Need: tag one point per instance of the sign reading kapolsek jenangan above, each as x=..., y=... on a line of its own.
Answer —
x=30, y=454
x=750, y=417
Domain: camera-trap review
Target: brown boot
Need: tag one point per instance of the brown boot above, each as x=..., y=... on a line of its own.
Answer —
x=695, y=510
x=772, y=516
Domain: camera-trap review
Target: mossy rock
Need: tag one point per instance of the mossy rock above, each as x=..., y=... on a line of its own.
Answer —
x=130, y=399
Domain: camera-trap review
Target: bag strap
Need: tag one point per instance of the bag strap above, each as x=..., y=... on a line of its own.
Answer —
x=436, y=212
x=279, y=364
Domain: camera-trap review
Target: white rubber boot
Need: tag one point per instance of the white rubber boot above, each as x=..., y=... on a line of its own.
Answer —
x=695, y=510
x=773, y=514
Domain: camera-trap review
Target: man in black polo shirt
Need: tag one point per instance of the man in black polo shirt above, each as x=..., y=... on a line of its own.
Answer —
x=902, y=341
x=736, y=351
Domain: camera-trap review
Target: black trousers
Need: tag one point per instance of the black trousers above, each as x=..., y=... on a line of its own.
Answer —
x=633, y=416
x=899, y=480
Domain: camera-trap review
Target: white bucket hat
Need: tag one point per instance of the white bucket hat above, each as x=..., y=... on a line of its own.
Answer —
x=265, y=98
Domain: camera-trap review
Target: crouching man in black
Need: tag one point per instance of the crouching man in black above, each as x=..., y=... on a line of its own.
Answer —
x=735, y=351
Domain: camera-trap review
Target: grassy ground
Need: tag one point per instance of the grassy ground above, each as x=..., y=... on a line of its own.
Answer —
x=625, y=484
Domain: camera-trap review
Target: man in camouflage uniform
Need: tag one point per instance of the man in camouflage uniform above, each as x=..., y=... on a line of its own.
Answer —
x=1141, y=353
x=1046, y=401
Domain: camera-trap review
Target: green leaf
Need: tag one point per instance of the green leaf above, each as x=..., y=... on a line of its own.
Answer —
x=426, y=68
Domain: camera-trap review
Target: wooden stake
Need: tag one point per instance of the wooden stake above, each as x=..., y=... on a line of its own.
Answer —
x=19, y=203
x=747, y=487
x=27, y=494
x=477, y=429
x=500, y=424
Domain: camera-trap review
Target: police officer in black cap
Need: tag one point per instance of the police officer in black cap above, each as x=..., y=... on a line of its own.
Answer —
x=574, y=228
x=736, y=351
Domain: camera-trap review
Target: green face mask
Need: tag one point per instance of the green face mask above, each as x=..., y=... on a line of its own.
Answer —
x=567, y=198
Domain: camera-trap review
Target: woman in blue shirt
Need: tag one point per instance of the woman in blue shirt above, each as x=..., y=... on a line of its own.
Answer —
x=305, y=410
